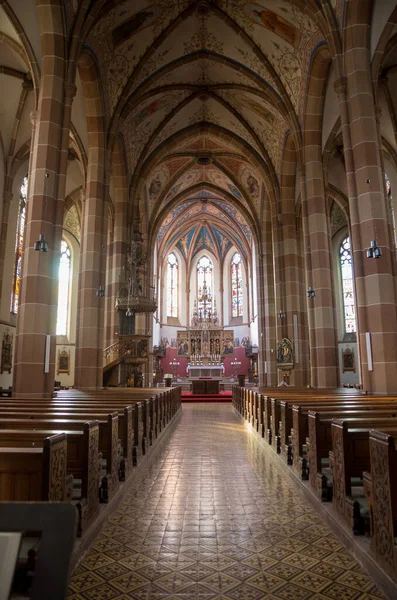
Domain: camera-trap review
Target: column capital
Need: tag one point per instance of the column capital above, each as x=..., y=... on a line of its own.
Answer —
x=340, y=85
x=27, y=83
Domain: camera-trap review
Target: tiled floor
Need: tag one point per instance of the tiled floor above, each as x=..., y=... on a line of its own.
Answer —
x=215, y=518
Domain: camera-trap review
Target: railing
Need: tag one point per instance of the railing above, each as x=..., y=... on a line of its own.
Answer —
x=134, y=346
x=112, y=353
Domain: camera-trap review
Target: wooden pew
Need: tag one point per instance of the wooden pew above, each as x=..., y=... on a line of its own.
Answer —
x=381, y=492
x=35, y=474
x=83, y=462
x=282, y=416
x=349, y=459
x=319, y=441
x=296, y=442
x=150, y=414
x=108, y=440
x=132, y=434
x=46, y=408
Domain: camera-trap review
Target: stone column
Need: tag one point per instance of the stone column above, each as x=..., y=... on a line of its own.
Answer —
x=266, y=310
x=44, y=215
x=91, y=307
x=118, y=245
x=374, y=281
x=321, y=316
x=292, y=272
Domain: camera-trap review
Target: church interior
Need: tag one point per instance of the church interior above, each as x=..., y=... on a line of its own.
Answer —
x=198, y=298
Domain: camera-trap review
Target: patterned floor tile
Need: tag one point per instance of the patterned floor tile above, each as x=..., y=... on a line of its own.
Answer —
x=213, y=518
x=84, y=581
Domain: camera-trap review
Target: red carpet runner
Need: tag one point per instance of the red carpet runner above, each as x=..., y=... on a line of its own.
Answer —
x=221, y=397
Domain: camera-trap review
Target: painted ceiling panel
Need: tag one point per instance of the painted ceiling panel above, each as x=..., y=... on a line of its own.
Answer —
x=144, y=120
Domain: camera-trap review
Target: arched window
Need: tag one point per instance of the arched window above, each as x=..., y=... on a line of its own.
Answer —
x=237, y=285
x=172, y=280
x=204, y=285
x=349, y=308
x=63, y=289
x=16, y=276
x=390, y=200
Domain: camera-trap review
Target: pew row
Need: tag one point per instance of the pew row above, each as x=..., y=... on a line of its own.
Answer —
x=123, y=435
x=35, y=474
x=345, y=445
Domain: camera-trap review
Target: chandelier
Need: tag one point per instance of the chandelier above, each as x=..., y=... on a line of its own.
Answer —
x=205, y=314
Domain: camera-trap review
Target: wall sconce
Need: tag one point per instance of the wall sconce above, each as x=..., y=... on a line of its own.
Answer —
x=374, y=251
x=282, y=314
x=128, y=312
x=41, y=245
x=100, y=292
x=310, y=293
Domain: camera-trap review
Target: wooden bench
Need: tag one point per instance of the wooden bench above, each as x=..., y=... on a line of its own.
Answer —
x=46, y=409
x=35, y=474
x=352, y=458
x=295, y=443
x=349, y=459
x=380, y=486
x=153, y=413
x=83, y=463
x=319, y=441
x=108, y=439
x=84, y=422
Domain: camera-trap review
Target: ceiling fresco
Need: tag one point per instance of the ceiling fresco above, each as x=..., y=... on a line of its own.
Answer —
x=204, y=222
x=198, y=174
x=227, y=78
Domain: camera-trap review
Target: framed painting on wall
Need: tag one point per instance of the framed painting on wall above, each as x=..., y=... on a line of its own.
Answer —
x=63, y=362
x=6, y=353
x=348, y=360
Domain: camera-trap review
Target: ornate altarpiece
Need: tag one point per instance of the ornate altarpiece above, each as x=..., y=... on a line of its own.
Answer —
x=205, y=342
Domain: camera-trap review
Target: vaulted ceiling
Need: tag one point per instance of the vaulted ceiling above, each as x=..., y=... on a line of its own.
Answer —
x=204, y=93
x=204, y=222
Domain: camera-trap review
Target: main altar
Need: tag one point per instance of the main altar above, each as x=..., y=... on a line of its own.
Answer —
x=205, y=344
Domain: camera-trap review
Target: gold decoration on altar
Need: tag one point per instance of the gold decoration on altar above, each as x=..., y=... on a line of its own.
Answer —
x=205, y=343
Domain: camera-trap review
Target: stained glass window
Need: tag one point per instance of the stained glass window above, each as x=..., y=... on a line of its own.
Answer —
x=172, y=294
x=63, y=289
x=237, y=286
x=16, y=276
x=390, y=199
x=347, y=286
x=204, y=286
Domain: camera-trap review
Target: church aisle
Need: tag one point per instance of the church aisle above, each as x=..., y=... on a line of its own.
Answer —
x=215, y=518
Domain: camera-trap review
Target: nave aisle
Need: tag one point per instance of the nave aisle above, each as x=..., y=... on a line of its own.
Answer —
x=216, y=518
